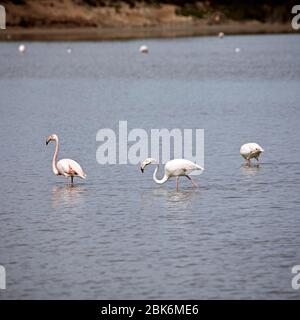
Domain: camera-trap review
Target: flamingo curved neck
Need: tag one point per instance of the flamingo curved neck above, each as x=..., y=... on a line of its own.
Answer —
x=54, y=160
x=159, y=181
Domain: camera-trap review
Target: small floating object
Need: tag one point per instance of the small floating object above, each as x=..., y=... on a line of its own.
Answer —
x=22, y=48
x=144, y=49
x=221, y=35
x=69, y=50
x=237, y=50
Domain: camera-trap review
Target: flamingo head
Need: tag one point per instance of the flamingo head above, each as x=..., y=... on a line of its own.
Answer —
x=53, y=137
x=146, y=162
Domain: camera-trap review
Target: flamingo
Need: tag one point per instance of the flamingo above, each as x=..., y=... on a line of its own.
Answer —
x=64, y=167
x=173, y=168
x=251, y=150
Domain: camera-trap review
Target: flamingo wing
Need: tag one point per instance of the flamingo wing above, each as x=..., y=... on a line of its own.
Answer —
x=69, y=167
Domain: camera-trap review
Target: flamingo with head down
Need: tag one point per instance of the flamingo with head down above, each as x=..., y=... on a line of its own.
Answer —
x=173, y=168
x=64, y=167
x=251, y=150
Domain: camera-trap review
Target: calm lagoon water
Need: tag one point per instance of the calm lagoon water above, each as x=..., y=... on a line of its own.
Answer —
x=118, y=234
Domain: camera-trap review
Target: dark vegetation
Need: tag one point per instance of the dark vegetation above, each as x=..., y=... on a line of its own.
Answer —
x=261, y=10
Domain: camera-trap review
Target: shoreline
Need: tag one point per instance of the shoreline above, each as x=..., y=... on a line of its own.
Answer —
x=127, y=33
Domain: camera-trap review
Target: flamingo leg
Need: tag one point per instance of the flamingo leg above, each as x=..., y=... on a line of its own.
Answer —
x=72, y=180
x=193, y=182
x=177, y=184
x=248, y=162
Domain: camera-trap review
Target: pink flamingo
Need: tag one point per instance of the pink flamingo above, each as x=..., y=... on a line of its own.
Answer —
x=64, y=167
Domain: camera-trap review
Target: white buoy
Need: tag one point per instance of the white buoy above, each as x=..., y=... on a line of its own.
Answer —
x=22, y=48
x=144, y=49
x=237, y=50
x=221, y=35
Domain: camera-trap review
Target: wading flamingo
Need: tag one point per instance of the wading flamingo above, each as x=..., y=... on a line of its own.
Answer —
x=173, y=168
x=64, y=167
x=251, y=150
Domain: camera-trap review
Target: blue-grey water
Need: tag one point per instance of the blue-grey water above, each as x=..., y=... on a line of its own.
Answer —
x=118, y=234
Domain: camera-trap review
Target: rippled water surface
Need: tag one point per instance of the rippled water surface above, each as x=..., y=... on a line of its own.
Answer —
x=118, y=234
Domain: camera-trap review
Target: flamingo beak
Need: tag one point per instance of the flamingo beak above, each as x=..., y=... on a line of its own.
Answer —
x=142, y=169
x=47, y=141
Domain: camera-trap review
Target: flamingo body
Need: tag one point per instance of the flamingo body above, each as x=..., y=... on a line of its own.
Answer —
x=251, y=150
x=70, y=168
x=180, y=167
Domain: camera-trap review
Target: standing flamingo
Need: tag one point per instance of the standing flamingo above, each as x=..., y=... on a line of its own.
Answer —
x=64, y=167
x=173, y=168
x=251, y=150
